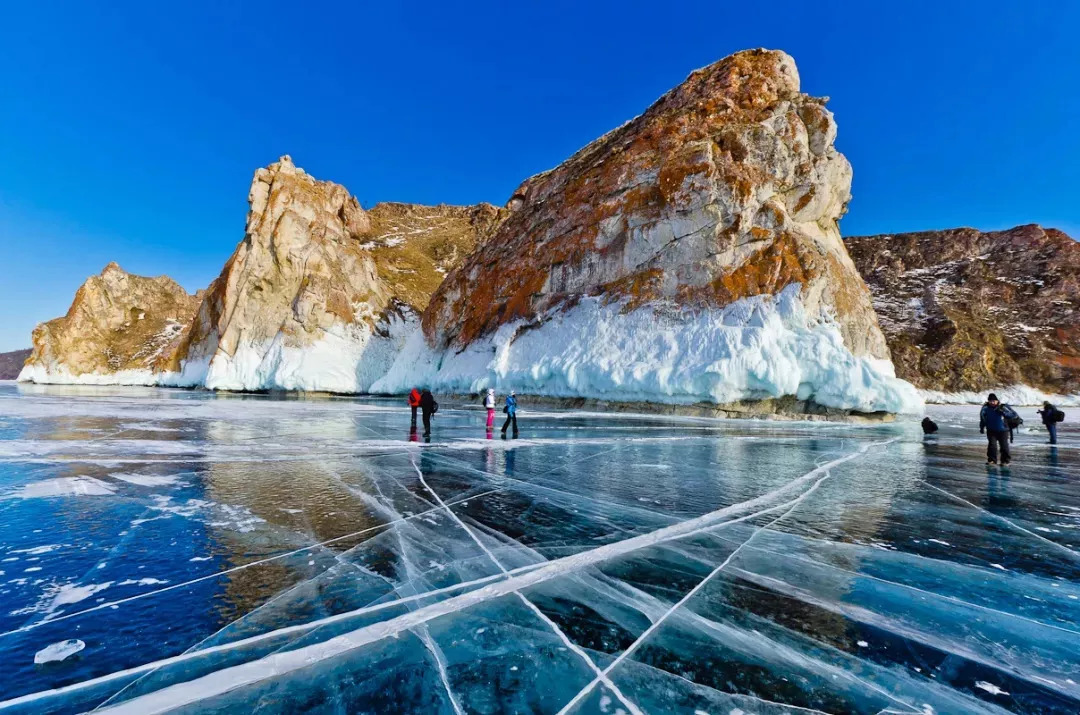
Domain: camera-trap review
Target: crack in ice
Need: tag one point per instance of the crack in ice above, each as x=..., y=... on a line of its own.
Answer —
x=1011, y=523
x=532, y=606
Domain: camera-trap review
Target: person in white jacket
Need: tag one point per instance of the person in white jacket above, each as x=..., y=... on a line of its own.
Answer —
x=489, y=403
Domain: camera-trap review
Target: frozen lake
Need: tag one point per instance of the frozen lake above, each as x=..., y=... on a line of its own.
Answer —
x=169, y=549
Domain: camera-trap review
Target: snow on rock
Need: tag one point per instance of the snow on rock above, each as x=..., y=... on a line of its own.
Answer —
x=102, y=339
x=755, y=348
x=58, y=651
x=1011, y=395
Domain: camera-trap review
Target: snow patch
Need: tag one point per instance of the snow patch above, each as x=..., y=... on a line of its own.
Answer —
x=990, y=688
x=1011, y=395
x=755, y=348
x=141, y=582
x=58, y=651
x=38, y=550
x=146, y=480
x=73, y=593
x=64, y=487
x=347, y=359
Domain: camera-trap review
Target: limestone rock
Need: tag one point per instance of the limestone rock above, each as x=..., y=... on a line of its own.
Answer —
x=118, y=324
x=967, y=310
x=320, y=292
x=727, y=187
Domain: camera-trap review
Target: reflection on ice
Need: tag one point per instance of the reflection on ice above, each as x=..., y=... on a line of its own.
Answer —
x=224, y=553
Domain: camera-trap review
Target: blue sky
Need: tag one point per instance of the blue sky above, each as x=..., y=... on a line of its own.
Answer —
x=130, y=132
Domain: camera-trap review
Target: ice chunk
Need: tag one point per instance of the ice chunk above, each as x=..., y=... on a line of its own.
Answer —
x=73, y=593
x=63, y=487
x=147, y=480
x=58, y=651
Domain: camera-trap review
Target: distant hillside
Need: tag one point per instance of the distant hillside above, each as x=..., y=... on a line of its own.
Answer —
x=964, y=309
x=11, y=363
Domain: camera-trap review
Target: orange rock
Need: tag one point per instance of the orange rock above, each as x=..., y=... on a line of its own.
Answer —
x=728, y=186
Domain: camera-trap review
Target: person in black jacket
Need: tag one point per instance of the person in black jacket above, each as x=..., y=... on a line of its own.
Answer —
x=992, y=422
x=1049, y=419
x=428, y=406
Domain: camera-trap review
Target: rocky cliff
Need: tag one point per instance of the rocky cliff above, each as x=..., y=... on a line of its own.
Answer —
x=119, y=328
x=11, y=363
x=692, y=254
x=321, y=293
x=964, y=309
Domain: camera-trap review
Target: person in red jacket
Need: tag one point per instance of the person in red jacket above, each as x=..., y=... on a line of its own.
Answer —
x=414, y=402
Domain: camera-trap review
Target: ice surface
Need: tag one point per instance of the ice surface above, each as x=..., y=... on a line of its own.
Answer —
x=268, y=554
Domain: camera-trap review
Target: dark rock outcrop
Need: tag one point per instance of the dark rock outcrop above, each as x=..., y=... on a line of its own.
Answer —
x=964, y=309
x=11, y=363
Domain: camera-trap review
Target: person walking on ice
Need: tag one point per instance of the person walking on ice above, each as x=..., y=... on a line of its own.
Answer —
x=511, y=413
x=489, y=403
x=1050, y=417
x=428, y=407
x=998, y=422
x=414, y=402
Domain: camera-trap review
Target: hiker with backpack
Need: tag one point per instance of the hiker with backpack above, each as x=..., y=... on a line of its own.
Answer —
x=428, y=406
x=1050, y=417
x=998, y=421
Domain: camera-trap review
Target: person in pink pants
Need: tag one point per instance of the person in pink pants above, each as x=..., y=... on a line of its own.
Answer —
x=489, y=403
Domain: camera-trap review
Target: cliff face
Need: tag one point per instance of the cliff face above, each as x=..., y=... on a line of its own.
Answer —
x=964, y=309
x=320, y=292
x=727, y=187
x=693, y=219
x=11, y=363
x=120, y=326
x=319, y=295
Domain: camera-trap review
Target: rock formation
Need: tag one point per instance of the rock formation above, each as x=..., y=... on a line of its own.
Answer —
x=120, y=328
x=11, y=363
x=320, y=293
x=691, y=256
x=695, y=247
x=964, y=309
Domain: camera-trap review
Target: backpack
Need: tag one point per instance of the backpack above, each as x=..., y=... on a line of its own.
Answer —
x=1059, y=416
x=1012, y=420
x=434, y=407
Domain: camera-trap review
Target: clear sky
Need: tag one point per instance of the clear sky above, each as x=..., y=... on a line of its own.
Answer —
x=129, y=130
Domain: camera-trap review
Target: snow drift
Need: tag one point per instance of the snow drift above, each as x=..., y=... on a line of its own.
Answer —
x=756, y=348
